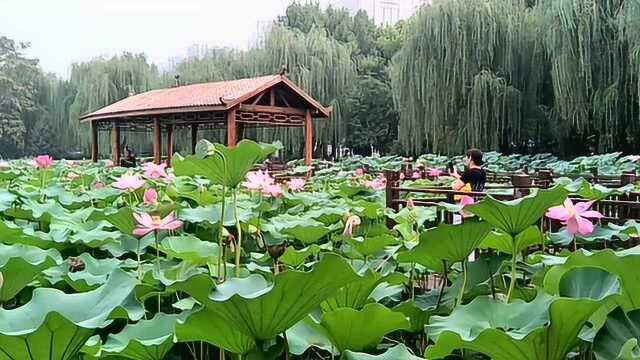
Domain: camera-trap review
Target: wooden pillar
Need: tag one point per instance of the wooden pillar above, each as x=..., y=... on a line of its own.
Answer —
x=308, y=138
x=94, y=141
x=169, y=144
x=194, y=137
x=157, y=141
x=232, y=135
x=115, y=143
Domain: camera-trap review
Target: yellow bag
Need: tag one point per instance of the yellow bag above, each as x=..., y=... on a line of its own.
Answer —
x=466, y=188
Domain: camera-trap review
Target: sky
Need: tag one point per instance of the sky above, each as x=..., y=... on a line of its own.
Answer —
x=65, y=31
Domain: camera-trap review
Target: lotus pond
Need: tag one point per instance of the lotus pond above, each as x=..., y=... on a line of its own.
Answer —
x=213, y=260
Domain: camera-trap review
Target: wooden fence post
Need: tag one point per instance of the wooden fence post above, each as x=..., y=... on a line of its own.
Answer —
x=545, y=179
x=392, y=178
x=521, y=185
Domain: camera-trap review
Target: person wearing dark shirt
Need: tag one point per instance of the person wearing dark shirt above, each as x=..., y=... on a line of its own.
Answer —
x=474, y=176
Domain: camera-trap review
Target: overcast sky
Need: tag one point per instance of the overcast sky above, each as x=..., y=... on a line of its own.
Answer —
x=65, y=31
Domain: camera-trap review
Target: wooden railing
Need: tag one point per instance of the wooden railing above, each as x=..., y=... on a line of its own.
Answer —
x=615, y=208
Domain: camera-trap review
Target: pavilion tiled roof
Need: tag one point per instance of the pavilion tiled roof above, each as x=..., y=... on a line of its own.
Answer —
x=221, y=94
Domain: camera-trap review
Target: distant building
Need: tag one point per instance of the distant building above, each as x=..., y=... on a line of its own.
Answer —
x=383, y=12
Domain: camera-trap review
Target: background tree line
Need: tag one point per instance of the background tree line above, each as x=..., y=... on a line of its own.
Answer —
x=560, y=74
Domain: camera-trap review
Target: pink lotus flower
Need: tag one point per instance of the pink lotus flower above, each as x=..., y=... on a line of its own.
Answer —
x=415, y=175
x=128, y=182
x=296, y=184
x=378, y=183
x=273, y=190
x=466, y=200
x=434, y=173
x=258, y=180
x=150, y=196
x=72, y=176
x=169, y=178
x=43, y=161
x=402, y=176
x=153, y=171
x=360, y=172
x=352, y=222
x=109, y=163
x=575, y=216
x=148, y=223
x=98, y=185
x=4, y=164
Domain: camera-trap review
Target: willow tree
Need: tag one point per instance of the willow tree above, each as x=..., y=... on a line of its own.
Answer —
x=593, y=49
x=320, y=65
x=464, y=75
x=101, y=82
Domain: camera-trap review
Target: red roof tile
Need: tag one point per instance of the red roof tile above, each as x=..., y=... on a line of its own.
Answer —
x=206, y=94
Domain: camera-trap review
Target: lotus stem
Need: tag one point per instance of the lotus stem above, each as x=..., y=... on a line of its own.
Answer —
x=514, y=257
x=464, y=281
x=238, y=231
x=413, y=267
x=286, y=345
x=155, y=237
x=221, y=275
x=493, y=286
x=139, y=263
x=444, y=283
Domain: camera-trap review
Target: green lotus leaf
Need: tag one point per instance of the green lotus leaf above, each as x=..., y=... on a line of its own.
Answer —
x=91, y=233
x=11, y=233
x=355, y=294
x=144, y=340
x=349, y=191
x=20, y=264
x=619, y=337
x=295, y=258
x=55, y=325
x=398, y=352
x=451, y=243
x=368, y=209
x=211, y=215
x=122, y=220
x=223, y=165
x=206, y=325
x=95, y=273
x=546, y=328
x=585, y=189
x=327, y=215
x=262, y=310
x=502, y=242
x=306, y=230
x=308, y=333
x=564, y=238
x=6, y=198
x=372, y=245
x=359, y=330
x=185, y=187
x=622, y=264
x=513, y=217
x=416, y=315
x=190, y=248
x=418, y=214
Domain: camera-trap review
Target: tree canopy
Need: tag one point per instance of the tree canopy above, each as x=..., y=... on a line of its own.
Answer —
x=492, y=74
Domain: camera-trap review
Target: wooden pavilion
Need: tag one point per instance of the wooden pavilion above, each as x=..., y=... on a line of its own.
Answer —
x=268, y=101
